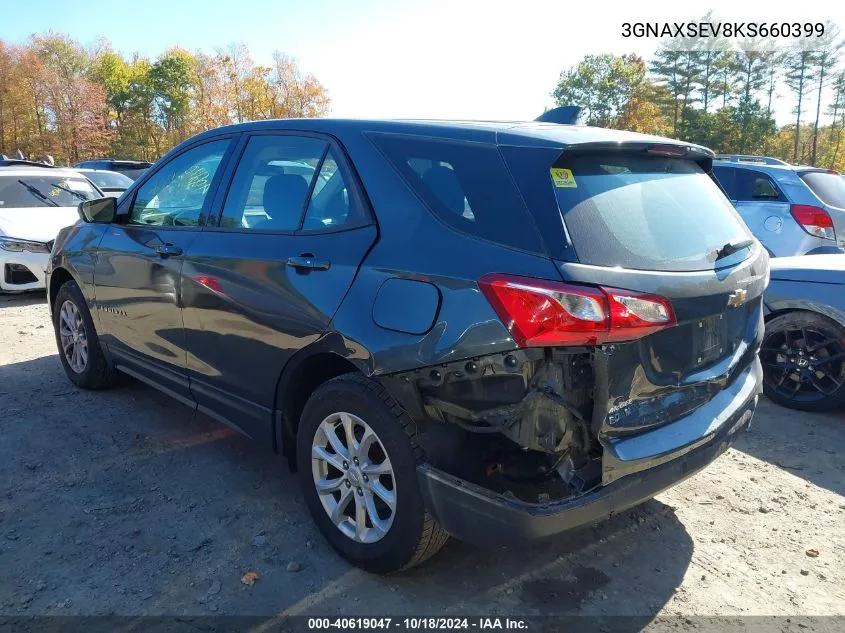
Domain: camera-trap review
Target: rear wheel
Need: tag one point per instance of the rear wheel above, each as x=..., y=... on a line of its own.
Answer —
x=357, y=456
x=79, y=347
x=803, y=357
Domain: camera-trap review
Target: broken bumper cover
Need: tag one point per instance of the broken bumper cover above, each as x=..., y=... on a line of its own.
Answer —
x=476, y=515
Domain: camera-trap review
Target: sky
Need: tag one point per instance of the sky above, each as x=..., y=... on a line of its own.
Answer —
x=465, y=59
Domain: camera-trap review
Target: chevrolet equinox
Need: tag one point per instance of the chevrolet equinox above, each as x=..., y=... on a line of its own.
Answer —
x=494, y=331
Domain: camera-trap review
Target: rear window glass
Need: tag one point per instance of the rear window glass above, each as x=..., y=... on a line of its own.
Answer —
x=109, y=179
x=645, y=213
x=466, y=185
x=134, y=174
x=830, y=188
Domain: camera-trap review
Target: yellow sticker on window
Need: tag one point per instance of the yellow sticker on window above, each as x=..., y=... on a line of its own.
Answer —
x=563, y=178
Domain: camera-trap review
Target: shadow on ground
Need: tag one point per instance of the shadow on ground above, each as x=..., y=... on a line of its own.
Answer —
x=808, y=445
x=23, y=299
x=125, y=502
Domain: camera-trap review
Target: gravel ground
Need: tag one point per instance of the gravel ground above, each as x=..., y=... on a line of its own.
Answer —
x=124, y=502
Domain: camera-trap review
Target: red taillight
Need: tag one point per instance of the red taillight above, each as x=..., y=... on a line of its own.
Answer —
x=212, y=283
x=668, y=150
x=814, y=220
x=541, y=313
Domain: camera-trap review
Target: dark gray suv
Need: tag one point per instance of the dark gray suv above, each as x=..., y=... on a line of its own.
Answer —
x=496, y=331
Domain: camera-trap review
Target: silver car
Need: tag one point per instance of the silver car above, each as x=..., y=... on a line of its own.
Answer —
x=791, y=209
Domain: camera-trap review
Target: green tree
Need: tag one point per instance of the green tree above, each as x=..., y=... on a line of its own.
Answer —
x=111, y=71
x=825, y=58
x=602, y=85
x=675, y=64
x=173, y=81
x=726, y=78
x=837, y=112
x=799, y=73
x=773, y=58
x=750, y=66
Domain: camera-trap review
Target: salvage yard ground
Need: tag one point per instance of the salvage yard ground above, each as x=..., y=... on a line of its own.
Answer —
x=126, y=502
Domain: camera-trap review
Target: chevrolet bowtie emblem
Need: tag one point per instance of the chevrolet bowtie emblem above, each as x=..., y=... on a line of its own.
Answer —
x=737, y=297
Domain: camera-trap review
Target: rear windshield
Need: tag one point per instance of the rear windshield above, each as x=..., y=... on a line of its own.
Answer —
x=38, y=191
x=131, y=172
x=829, y=188
x=109, y=179
x=644, y=212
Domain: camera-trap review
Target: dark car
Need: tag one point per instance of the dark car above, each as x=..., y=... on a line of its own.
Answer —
x=134, y=169
x=111, y=183
x=803, y=354
x=495, y=331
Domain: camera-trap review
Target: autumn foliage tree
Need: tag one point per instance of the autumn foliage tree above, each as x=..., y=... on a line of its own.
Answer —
x=72, y=102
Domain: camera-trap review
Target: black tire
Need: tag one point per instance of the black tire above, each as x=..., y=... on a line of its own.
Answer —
x=414, y=535
x=96, y=373
x=803, y=357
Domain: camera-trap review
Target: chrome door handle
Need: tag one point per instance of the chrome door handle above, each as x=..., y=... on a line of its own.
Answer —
x=307, y=261
x=167, y=249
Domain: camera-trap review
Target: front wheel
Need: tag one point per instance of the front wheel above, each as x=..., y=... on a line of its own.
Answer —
x=357, y=456
x=803, y=358
x=79, y=346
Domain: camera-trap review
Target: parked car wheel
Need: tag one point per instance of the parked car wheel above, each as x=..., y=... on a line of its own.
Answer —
x=803, y=357
x=357, y=456
x=79, y=347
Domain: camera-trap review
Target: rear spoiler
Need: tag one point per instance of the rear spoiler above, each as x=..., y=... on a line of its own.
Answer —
x=687, y=151
x=564, y=115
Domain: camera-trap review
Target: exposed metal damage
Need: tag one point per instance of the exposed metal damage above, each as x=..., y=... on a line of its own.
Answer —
x=517, y=423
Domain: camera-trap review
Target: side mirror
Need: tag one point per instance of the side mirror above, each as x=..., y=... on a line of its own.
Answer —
x=100, y=211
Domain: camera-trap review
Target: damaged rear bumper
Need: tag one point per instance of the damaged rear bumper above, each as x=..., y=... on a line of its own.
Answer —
x=642, y=466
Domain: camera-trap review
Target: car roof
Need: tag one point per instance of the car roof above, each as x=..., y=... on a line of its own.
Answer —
x=718, y=162
x=115, y=161
x=20, y=171
x=502, y=132
x=88, y=170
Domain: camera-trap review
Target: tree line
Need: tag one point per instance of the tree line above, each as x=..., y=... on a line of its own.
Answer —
x=711, y=92
x=71, y=102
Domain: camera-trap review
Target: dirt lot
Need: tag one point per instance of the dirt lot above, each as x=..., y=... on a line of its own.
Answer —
x=126, y=502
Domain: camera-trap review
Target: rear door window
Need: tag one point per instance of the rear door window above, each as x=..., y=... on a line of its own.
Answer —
x=829, y=188
x=272, y=182
x=466, y=185
x=727, y=178
x=644, y=212
x=755, y=186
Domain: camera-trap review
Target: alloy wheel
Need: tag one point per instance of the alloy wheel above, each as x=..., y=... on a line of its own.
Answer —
x=73, y=338
x=353, y=477
x=803, y=363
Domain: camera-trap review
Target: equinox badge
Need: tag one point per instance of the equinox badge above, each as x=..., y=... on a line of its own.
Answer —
x=737, y=297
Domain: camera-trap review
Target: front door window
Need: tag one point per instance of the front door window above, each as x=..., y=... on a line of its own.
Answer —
x=178, y=193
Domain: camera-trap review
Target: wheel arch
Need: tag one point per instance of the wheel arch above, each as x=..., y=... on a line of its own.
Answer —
x=58, y=278
x=800, y=305
x=303, y=374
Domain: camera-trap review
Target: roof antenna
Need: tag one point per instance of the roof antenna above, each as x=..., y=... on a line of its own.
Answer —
x=564, y=115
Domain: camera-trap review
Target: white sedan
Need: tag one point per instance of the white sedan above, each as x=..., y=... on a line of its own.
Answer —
x=36, y=202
